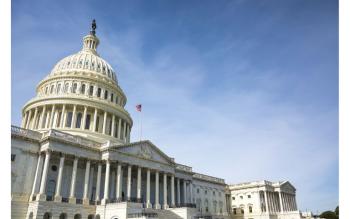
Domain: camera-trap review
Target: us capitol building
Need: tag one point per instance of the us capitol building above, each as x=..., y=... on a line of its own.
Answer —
x=72, y=158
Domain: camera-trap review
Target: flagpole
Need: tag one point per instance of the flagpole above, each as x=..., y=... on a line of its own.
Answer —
x=141, y=123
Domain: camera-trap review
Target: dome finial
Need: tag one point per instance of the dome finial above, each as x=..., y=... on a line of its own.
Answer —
x=92, y=31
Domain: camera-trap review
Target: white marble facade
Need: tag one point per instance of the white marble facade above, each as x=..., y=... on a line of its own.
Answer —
x=72, y=156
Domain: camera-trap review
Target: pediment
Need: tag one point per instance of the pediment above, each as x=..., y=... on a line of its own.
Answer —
x=146, y=150
x=288, y=185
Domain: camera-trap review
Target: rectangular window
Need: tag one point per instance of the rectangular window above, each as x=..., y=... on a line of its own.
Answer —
x=80, y=62
x=234, y=211
x=233, y=198
x=250, y=209
x=205, y=191
x=13, y=157
x=241, y=197
x=242, y=210
x=220, y=194
x=88, y=118
x=213, y=192
x=249, y=196
x=197, y=191
x=91, y=90
x=93, y=64
x=87, y=63
x=69, y=122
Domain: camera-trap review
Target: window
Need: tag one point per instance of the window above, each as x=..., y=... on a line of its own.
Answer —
x=197, y=191
x=75, y=88
x=111, y=97
x=250, y=209
x=214, y=207
x=69, y=122
x=83, y=89
x=59, y=88
x=99, y=92
x=68, y=63
x=234, y=211
x=198, y=206
x=47, y=88
x=241, y=197
x=78, y=121
x=104, y=69
x=13, y=157
x=58, y=119
x=220, y=205
x=206, y=206
x=220, y=194
x=206, y=192
x=109, y=75
x=54, y=168
x=91, y=90
x=106, y=95
x=50, y=191
x=93, y=64
x=63, y=64
x=242, y=210
x=233, y=198
x=44, y=121
x=110, y=127
x=81, y=62
x=39, y=118
x=249, y=196
x=52, y=87
x=98, y=66
x=87, y=63
x=87, y=122
x=66, y=88
x=97, y=123
x=74, y=62
x=116, y=99
x=213, y=192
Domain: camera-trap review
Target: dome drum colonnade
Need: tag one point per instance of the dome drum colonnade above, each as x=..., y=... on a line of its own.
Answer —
x=81, y=95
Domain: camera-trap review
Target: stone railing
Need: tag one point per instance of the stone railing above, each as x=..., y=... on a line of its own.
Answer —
x=26, y=132
x=183, y=167
x=210, y=178
x=73, y=138
x=262, y=182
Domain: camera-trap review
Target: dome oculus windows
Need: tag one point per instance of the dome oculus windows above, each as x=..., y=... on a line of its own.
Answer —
x=54, y=168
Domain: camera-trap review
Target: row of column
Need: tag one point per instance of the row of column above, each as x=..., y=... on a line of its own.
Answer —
x=125, y=136
x=88, y=182
x=279, y=202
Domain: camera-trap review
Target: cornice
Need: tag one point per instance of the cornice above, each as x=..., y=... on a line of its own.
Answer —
x=24, y=138
x=75, y=144
x=208, y=181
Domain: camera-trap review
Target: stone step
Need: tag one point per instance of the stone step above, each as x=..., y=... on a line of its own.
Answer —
x=163, y=214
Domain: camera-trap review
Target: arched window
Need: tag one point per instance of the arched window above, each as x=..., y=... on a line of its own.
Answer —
x=83, y=89
x=97, y=123
x=91, y=90
x=47, y=89
x=110, y=127
x=78, y=121
x=111, y=97
x=206, y=206
x=106, y=95
x=250, y=209
x=116, y=99
x=99, y=92
x=115, y=130
x=214, y=206
x=75, y=88
x=69, y=122
x=87, y=63
x=59, y=88
x=51, y=185
x=234, y=211
x=198, y=206
x=87, y=122
x=104, y=69
x=58, y=119
x=52, y=87
x=66, y=88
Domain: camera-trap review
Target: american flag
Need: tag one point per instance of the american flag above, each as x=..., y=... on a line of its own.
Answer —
x=138, y=107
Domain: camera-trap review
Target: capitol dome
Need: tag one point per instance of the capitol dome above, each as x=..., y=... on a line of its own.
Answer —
x=81, y=96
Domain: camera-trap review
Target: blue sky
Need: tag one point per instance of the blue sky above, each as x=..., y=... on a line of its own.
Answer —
x=241, y=90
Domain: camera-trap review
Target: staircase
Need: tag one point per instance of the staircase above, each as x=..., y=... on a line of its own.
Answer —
x=163, y=214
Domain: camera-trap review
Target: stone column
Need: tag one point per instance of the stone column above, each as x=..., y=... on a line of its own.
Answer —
x=128, y=196
x=286, y=201
x=295, y=201
x=86, y=182
x=124, y=131
x=119, y=128
x=178, y=192
x=28, y=119
x=105, y=198
x=111, y=193
x=38, y=171
x=157, y=205
x=98, y=184
x=72, y=199
x=184, y=187
x=119, y=183
x=165, y=205
x=191, y=193
x=281, y=204
x=172, y=190
x=58, y=197
x=127, y=134
x=62, y=116
x=42, y=125
x=267, y=205
x=95, y=121
x=73, y=116
x=91, y=180
x=148, y=192
x=52, y=115
x=83, y=123
x=104, y=123
x=258, y=204
x=113, y=124
x=24, y=119
x=139, y=184
x=42, y=196
x=34, y=119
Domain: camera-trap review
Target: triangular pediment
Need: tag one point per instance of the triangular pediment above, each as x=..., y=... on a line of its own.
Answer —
x=288, y=185
x=146, y=150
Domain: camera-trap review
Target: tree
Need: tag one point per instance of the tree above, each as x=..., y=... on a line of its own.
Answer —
x=328, y=215
x=337, y=210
